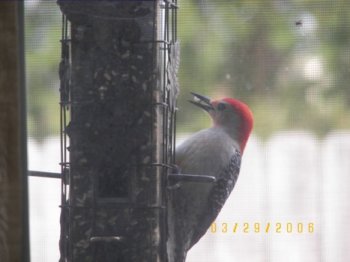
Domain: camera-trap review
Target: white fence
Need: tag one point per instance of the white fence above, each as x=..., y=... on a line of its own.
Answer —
x=291, y=203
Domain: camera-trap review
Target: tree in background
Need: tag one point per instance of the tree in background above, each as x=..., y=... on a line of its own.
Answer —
x=42, y=35
x=290, y=60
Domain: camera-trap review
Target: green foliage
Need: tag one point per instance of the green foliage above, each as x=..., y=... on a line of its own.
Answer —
x=42, y=35
x=289, y=60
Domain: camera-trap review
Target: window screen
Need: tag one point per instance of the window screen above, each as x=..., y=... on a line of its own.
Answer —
x=290, y=62
x=42, y=55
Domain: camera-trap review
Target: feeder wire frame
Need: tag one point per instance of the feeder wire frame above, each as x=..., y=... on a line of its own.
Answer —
x=64, y=74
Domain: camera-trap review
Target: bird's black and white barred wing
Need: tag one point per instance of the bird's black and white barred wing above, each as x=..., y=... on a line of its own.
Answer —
x=220, y=192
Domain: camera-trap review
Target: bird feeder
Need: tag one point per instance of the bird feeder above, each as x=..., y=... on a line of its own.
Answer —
x=118, y=98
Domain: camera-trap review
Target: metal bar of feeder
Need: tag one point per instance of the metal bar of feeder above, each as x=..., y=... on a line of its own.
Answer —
x=112, y=205
x=191, y=178
x=106, y=239
x=44, y=174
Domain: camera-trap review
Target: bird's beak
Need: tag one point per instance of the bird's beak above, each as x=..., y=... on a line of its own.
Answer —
x=202, y=102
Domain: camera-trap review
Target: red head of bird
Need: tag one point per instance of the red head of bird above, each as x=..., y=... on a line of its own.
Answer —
x=230, y=114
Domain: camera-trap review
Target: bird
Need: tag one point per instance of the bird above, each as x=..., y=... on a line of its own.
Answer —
x=212, y=152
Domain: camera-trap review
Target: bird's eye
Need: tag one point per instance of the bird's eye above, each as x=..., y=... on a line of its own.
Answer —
x=221, y=106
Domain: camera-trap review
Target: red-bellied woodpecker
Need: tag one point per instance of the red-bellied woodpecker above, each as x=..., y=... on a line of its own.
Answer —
x=216, y=152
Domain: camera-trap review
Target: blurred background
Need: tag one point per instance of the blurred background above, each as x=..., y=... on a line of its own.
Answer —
x=290, y=62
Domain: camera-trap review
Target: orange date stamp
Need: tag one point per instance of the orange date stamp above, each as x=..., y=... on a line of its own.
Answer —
x=262, y=227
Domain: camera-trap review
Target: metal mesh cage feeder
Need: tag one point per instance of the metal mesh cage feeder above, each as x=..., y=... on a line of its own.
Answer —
x=118, y=97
